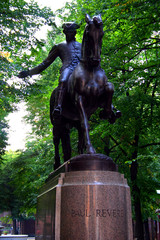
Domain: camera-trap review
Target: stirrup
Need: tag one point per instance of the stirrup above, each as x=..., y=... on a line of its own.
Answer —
x=57, y=111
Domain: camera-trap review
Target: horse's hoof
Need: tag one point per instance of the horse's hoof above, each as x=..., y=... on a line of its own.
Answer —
x=91, y=150
x=118, y=114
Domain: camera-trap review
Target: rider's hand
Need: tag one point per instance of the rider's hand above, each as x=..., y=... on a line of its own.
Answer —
x=23, y=74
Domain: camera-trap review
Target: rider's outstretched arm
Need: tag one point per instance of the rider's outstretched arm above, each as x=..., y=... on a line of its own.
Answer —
x=53, y=54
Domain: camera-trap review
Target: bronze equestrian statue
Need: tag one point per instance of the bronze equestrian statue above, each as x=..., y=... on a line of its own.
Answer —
x=82, y=89
x=87, y=89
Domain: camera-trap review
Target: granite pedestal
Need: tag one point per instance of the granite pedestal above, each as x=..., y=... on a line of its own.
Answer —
x=85, y=200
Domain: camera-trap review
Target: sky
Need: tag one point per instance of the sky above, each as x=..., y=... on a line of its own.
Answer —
x=53, y=4
x=18, y=128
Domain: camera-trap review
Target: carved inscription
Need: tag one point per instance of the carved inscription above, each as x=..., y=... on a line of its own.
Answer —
x=109, y=212
x=101, y=213
x=80, y=213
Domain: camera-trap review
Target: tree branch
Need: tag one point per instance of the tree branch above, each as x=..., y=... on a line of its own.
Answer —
x=150, y=144
x=124, y=152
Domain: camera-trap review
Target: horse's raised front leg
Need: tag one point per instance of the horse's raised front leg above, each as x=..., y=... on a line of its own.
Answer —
x=84, y=125
x=107, y=112
x=108, y=109
x=109, y=89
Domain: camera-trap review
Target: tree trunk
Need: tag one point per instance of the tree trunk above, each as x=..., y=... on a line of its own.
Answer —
x=146, y=230
x=14, y=226
x=139, y=233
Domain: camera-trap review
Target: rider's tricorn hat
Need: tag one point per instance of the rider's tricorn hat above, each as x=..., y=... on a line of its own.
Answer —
x=70, y=27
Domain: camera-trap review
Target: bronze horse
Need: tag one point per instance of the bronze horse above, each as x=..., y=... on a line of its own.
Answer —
x=87, y=90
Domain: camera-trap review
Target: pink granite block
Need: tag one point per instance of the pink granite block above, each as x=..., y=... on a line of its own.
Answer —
x=96, y=206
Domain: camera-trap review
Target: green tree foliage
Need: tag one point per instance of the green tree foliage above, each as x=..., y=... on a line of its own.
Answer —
x=19, y=21
x=22, y=174
x=130, y=58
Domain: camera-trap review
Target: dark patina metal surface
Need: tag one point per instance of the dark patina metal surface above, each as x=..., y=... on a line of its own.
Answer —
x=83, y=87
x=87, y=89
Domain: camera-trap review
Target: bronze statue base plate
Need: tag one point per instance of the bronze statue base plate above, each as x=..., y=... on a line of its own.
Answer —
x=86, y=162
x=91, y=162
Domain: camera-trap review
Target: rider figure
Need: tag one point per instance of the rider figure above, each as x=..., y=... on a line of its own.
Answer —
x=70, y=55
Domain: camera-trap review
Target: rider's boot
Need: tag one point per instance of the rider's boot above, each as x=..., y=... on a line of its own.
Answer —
x=58, y=109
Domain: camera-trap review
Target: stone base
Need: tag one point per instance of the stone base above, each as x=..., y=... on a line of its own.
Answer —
x=13, y=237
x=84, y=205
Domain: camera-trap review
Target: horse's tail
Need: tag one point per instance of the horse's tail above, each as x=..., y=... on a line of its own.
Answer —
x=52, y=104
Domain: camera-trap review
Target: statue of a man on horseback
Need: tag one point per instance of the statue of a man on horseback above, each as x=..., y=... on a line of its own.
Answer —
x=83, y=87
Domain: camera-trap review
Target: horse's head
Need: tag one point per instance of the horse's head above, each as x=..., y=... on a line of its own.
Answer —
x=92, y=40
